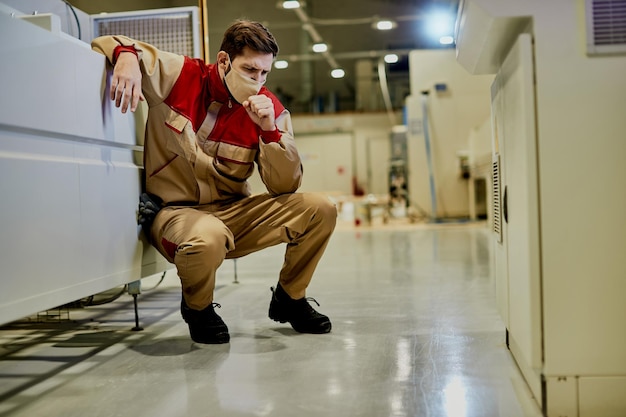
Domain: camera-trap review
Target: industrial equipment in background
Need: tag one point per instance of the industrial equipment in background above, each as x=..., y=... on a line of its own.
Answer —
x=557, y=129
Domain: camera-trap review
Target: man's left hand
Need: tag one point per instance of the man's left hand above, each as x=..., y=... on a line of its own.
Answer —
x=260, y=108
x=149, y=207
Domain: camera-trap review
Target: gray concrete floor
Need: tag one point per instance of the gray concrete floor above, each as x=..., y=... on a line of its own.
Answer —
x=415, y=333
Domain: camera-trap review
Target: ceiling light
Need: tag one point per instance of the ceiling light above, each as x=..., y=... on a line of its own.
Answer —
x=281, y=64
x=391, y=58
x=290, y=4
x=385, y=25
x=337, y=73
x=446, y=40
x=320, y=47
x=440, y=24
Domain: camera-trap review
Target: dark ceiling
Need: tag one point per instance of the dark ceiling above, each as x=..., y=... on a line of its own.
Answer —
x=345, y=25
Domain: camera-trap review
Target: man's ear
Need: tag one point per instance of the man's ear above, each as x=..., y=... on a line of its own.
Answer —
x=223, y=60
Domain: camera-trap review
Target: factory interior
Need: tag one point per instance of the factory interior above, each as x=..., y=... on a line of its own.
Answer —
x=474, y=151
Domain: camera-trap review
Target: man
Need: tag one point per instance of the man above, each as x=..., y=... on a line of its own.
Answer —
x=208, y=125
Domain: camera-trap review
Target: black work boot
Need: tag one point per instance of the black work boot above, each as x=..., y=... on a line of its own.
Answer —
x=205, y=326
x=299, y=313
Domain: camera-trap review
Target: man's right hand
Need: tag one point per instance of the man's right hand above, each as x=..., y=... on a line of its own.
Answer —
x=126, y=82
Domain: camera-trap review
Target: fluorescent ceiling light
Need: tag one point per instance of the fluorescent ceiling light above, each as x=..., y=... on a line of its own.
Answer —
x=291, y=4
x=337, y=73
x=320, y=47
x=385, y=25
x=446, y=40
x=391, y=58
x=281, y=64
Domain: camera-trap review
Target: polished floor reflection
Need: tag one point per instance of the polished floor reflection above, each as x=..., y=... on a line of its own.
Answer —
x=415, y=333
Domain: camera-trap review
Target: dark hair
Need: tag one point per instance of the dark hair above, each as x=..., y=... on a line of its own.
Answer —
x=244, y=33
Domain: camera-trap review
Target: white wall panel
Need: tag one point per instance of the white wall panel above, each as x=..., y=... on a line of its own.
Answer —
x=327, y=161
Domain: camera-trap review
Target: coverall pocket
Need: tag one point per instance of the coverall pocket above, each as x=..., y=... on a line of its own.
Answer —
x=181, y=139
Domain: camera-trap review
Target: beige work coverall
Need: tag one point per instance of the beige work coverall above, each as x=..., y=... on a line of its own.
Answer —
x=200, y=149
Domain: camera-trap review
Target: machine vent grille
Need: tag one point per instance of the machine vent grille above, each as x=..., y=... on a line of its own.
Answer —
x=497, y=212
x=606, y=26
x=173, y=30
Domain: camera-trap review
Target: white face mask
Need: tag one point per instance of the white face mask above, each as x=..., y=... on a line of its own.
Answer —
x=240, y=86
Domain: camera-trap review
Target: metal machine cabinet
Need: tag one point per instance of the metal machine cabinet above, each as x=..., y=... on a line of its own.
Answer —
x=559, y=196
x=70, y=176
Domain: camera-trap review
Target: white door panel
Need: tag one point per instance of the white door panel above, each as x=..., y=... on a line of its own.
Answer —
x=514, y=106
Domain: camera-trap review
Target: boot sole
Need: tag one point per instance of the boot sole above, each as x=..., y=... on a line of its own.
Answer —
x=325, y=327
x=217, y=339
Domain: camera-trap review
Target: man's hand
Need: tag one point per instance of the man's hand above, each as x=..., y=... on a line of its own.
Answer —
x=149, y=207
x=261, y=110
x=126, y=82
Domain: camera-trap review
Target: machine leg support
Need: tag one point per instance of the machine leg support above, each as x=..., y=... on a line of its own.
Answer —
x=137, y=328
x=236, y=281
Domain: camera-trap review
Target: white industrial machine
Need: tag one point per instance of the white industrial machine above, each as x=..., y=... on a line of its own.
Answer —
x=559, y=193
x=70, y=170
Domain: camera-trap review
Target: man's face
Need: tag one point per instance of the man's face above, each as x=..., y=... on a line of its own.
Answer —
x=253, y=64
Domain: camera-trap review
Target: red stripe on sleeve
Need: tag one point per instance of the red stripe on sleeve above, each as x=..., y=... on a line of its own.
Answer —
x=271, y=136
x=123, y=48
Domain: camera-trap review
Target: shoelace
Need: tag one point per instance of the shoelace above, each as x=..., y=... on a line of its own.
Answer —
x=313, y=299
x=307, y=298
